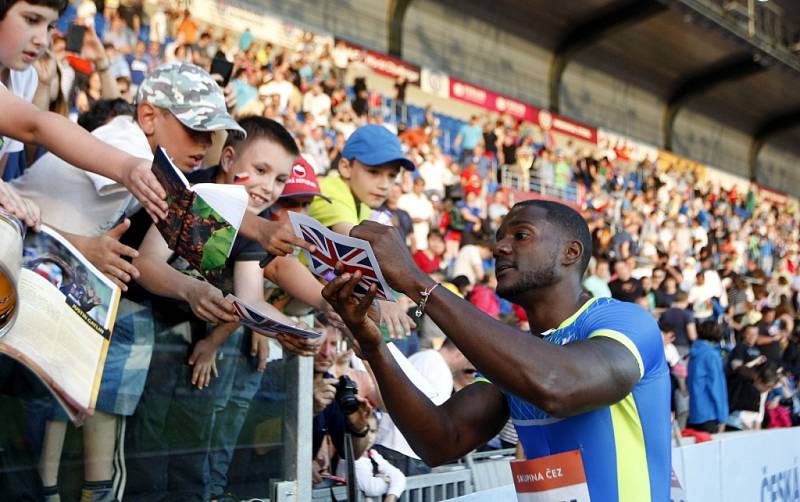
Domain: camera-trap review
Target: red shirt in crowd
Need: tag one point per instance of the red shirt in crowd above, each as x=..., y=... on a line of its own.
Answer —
x=471, y=180
x=427, y=264
x=485, y=299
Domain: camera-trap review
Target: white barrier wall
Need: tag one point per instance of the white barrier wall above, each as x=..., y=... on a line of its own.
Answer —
x=762, y=466
x=759, y=466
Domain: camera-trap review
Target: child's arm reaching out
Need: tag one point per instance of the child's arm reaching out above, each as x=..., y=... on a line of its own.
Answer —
x=26, y=123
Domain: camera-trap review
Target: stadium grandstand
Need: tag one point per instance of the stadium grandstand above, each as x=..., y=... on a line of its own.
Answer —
x=671, y=127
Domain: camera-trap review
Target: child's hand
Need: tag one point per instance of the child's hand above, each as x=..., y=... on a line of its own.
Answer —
x=298, y=345
x=278, y=238
x=208, y=304
x=46, y=67
x=24, y=209
x=397, y=321
x=259, y=348
x=139, y=179
x=203, y=359
x=105, y=252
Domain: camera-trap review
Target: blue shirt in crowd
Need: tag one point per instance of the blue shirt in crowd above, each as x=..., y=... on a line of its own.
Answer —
x=470, y=136
x=708, y=392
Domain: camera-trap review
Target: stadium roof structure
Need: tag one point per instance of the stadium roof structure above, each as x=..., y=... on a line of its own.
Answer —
x=737, y=61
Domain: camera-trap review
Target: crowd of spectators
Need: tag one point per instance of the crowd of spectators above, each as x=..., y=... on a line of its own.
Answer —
x=717, y=267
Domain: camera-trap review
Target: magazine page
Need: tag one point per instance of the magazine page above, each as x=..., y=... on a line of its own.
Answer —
x=66, y=315
x=261, y=323
x=206, y=238
x=229, y=201
x=178, y=196
x=203, y=220
x=11, y=231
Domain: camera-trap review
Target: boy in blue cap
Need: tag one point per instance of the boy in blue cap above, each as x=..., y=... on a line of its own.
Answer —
x=371, y=160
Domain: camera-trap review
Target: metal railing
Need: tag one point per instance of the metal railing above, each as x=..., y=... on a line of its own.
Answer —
x=531, y=181
x=476, y=471
x=432, y=487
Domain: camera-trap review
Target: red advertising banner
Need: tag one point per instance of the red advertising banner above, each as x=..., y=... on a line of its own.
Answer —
x=383, y=64
x=472, y=94
x=773, y=196
x=484, y=98
x=557, y=123
x=489, y=100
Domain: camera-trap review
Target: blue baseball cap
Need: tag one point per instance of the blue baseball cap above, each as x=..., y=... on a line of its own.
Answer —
x=373, y=145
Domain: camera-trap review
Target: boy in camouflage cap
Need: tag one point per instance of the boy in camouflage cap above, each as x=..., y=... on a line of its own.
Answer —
x=179, y=107
x=196, y=101
x=192, y=96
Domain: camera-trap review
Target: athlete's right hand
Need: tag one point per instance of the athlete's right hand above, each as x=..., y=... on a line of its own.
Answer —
x=208, y=304
x=354, y=312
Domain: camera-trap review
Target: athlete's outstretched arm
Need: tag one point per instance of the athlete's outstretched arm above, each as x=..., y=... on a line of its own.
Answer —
x=561, y=380
x=436, y=433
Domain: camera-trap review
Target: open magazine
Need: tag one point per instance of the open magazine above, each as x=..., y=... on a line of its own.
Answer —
x=57, y=313
x=260, y=322
x=202, y=220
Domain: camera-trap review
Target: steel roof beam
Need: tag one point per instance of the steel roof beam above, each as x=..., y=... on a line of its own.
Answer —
x=769, y=128
x=695, y=84
x=395, y=17
x=605, y=21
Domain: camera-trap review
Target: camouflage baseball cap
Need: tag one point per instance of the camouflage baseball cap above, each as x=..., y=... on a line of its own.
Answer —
x=190, y=93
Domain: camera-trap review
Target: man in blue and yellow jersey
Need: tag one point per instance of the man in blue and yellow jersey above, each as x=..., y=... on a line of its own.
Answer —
x=590, y=384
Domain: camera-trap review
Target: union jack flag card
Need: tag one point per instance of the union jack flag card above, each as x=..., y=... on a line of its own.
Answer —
x=355, y=255
x=262, y=323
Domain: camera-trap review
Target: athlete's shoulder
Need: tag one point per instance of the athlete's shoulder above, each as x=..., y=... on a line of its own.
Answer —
x=609, y=309
x=630, y=325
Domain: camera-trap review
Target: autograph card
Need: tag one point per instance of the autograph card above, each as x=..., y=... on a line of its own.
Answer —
x=260, y=322
x=355, y=254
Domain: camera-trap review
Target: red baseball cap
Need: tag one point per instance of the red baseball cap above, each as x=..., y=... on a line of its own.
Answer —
x=302, y=181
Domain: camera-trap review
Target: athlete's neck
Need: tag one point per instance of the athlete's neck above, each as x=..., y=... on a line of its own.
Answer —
x=549, y=307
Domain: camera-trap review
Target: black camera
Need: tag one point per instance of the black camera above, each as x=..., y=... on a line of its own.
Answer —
x=346, y=390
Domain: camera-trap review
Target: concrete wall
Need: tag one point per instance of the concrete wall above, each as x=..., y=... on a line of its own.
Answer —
x=778, y=169
x=700, y=138
x=602, y=100
x=441, y=38
x=361, y=21
x=446, y=39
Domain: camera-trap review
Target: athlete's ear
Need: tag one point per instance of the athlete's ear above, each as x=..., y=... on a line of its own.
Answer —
x=573, y=252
